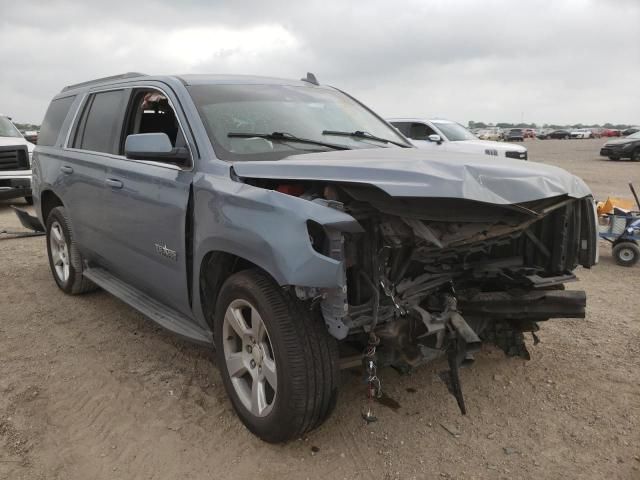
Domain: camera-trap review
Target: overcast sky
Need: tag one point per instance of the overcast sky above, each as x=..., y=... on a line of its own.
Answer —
x=544, y=61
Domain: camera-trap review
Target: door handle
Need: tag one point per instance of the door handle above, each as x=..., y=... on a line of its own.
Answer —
x=113, y=183
x=66, y=169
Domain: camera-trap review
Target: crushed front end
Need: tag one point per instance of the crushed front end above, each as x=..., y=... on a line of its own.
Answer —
x=439, y=276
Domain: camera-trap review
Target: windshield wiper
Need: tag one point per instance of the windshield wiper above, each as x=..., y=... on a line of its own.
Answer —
x=365, y=135
x=286, y=137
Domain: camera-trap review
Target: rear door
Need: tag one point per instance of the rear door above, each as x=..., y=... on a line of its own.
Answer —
x=146, y=204
x=83, y=168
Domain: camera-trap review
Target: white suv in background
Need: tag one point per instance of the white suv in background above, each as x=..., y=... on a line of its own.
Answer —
x=582, y=133
x=452, y=137
x=15, y=162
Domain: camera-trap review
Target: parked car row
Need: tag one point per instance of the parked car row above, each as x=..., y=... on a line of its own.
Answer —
x=495, y=133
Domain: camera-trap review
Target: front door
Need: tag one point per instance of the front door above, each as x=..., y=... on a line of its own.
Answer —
x=146, y=207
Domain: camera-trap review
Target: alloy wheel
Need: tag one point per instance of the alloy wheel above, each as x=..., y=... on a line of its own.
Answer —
x=59, y=252
x=249, y=357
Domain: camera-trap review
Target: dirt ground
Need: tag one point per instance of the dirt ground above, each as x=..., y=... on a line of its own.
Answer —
x=90, y=389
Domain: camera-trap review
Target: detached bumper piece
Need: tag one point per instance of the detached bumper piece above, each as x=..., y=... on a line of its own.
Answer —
x=29, y=222
x=511, y=316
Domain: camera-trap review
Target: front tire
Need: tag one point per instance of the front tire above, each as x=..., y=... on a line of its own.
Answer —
x=626, y=254
x=278, y=363
x=65, y=260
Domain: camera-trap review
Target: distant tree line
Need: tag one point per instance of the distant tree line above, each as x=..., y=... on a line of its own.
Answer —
x=618, y=126
x=27, y=127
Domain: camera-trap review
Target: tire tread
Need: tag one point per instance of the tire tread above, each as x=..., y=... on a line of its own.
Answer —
x=313, y=364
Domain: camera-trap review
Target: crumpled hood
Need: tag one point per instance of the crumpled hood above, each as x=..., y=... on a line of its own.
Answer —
x=415, y=173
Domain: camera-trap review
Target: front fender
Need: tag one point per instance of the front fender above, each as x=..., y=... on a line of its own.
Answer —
x=267, y=228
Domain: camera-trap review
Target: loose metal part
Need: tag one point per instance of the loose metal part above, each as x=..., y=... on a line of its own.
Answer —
x=374, y=387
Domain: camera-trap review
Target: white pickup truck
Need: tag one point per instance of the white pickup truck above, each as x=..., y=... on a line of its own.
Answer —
x=445, y=135
x=15, y=162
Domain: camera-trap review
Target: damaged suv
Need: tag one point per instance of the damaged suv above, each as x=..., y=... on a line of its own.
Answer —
x=292, y=228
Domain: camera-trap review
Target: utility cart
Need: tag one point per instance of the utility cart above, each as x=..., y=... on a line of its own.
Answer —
x=622, y=229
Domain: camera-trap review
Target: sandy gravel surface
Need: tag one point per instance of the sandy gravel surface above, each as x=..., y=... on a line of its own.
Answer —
x=90, y=389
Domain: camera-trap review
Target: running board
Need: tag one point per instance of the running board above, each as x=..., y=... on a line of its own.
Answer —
x=164, y=316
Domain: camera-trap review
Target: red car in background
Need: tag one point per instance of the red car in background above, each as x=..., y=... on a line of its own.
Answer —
x=611, y=132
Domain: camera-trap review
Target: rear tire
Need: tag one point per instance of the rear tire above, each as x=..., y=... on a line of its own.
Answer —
x=635, y=156
x=278, y=363
x=65, y=260
x=626, y=254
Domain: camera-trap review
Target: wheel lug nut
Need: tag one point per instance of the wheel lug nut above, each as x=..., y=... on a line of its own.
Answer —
x=249, y=348
x=253, y=364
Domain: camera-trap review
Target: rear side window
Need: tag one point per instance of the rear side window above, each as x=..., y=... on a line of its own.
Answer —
x=101, y=122
x=53, y=120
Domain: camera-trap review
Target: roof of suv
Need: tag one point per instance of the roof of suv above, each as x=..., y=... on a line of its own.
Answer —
x=415, y=119
x=192, y=79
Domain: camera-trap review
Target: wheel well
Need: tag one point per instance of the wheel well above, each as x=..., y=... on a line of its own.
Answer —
x=620, y=240
x=215, y=268
x=48, y=201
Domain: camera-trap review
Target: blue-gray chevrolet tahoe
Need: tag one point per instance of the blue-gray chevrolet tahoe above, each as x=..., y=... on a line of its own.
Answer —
x=288, y=226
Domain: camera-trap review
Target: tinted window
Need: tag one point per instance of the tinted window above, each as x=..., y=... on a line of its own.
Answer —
x=403, y=127
x=420, y=131
x=53, y=119
x=101, y=122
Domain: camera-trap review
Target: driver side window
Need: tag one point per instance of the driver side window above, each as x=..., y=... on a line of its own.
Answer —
x=420, y=131
x=150, y=112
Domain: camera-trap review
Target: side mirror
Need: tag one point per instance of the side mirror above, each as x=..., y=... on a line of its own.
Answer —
x=153, y=146
x=435, y=138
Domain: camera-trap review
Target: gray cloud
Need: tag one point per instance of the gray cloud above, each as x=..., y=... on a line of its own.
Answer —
x=541, y=60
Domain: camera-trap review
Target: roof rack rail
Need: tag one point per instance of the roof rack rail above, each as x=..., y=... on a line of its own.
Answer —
x=104, y=79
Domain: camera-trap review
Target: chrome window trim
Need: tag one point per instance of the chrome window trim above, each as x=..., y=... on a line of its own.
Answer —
x=82, y=97
x=169, y=166
x=122, y=157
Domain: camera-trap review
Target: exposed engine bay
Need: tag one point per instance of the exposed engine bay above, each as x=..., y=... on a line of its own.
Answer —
x=430, y=277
